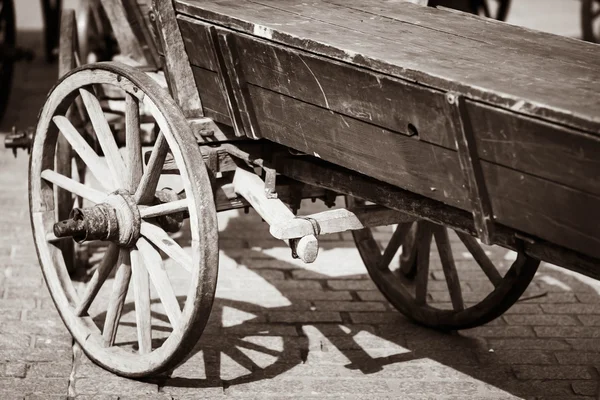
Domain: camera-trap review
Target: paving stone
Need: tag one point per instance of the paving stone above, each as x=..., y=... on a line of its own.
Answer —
x=304, y=317
x=569, y=308
x=540, y=319
x=529, y=344
x=50, y=370
x=351, y=285
x=589, y=320
x=567, y=331
x=15, y=370
x=551, y=372
x=592, y=298
x=28, y=386
x=16, y=341
x=584, y=344
x=377, y=317
x=533, y=357
x=348, y=306
x=499, y=331
x=585, y=388
x=115, y=385
x=578, y=357
x=329, y=295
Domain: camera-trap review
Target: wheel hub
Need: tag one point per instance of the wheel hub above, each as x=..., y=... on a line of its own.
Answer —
x=117, y=220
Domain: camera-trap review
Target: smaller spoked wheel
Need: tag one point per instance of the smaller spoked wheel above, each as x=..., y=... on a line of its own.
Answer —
x=7, y=51
x=590, y=20
x=456, y=287
x=124, y=219
x=496, y=9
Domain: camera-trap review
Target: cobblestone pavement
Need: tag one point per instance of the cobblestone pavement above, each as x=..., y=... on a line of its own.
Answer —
x=283, y=329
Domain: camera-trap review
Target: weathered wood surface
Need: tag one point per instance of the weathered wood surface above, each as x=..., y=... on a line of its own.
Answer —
x=363, y=85
x=480, y=58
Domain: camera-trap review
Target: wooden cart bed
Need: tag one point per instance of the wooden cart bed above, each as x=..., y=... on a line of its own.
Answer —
x=363, y=84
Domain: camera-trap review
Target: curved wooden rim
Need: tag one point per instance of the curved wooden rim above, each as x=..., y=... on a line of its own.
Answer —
x=505, y=294
x=201, y=208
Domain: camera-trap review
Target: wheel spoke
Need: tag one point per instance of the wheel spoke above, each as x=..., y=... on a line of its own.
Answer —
x=117, y=297
x=141, y=290
x=98, y=279
x=423, y=243
x=133, y=142
x=160, y=279
x=164, y=208
x=87, y=154
x=104, y=135
x=486, y=9
x=145, y=191
x=442, y=242
x=482, y=259
x=73, y=186
x=163, y=241
x=393, y=245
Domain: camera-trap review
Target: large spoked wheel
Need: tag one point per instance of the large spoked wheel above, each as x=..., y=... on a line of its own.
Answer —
x=431, y=293
x=7, y=51
x=590, y=20
x=496, y=9
x=122, y=219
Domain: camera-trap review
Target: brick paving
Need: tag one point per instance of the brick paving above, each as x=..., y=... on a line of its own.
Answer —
x=283, y=329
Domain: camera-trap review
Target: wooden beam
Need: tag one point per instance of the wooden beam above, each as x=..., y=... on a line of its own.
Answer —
x=273, y=211
x=339, y=220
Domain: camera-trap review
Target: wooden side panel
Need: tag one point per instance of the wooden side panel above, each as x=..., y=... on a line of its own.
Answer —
x=212, y=95
x=400, y=160
x=541, y=208
x=374, y=98
x=198, y=43
x=538, y=148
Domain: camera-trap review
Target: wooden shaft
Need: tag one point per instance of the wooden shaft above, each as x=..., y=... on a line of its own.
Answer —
x=273, y=211
x=339, y=220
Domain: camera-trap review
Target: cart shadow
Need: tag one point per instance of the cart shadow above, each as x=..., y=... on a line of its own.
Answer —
x=265, y=346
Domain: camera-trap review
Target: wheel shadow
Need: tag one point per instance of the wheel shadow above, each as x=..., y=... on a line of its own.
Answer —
x=278, y=340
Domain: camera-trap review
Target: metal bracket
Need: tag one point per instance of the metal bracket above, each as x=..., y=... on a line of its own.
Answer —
x=471, y=167
x=270, y=182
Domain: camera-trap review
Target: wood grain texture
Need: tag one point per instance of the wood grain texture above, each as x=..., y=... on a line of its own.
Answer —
x=177, y=65
x=404, y=161
x=499, y=75
x=128, y=42
x=384, y=101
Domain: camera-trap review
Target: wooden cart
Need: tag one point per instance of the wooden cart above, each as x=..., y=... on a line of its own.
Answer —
x=426, y=120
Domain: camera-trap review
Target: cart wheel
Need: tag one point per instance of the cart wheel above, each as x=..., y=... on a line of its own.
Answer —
x=96, y=42
x=496, y=9
x=160, y=333
x=7, y=51
x=590, y=20
x=449, y=312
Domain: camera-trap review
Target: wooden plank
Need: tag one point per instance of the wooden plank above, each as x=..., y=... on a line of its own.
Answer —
x=492, y=32
x=390, y=103
x=129, y=44
x=322, y=174
x=503, y=77
x=549, y=151
x=397, y=159
x=471, y=167
x=556, y=213
x=178, y=69
x=140, y=25
x=198, y=43
x=234, y=82
x=214, y=102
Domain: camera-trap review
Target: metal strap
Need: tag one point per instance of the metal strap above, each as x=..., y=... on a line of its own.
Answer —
x=471, y=165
